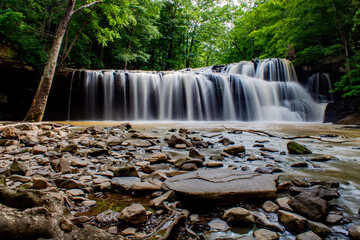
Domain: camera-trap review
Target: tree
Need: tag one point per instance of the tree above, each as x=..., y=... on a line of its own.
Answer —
x=37, y=109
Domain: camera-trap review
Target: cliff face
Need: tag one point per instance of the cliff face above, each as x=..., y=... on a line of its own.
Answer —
x=18, y=84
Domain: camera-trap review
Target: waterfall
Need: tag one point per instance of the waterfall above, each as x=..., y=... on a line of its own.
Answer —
x=266, y=90
x=319, y=86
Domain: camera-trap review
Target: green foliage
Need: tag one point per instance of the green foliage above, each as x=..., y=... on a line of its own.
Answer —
x=22, y=37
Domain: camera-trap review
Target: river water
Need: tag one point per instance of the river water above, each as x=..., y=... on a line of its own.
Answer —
x=342, y=142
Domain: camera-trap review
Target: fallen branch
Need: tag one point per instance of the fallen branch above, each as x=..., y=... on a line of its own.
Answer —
x=315, y=138
x=167, y=225
x=257, y=132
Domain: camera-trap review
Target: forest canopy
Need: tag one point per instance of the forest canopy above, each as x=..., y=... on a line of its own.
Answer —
x=177, y=34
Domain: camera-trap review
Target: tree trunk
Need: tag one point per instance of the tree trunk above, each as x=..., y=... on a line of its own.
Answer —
x=129, y=45
x=37, y=109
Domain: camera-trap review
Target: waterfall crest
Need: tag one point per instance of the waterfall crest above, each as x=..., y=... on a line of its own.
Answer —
x=265, y=90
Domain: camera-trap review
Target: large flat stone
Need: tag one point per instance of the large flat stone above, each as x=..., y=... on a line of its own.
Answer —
x=225, y=185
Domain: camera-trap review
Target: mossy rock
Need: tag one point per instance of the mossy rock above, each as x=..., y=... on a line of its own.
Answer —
x=296, y=148
x=125, y=171
x=2, y=180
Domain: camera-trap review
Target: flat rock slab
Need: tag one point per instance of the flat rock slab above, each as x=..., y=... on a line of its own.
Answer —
x=226, y=185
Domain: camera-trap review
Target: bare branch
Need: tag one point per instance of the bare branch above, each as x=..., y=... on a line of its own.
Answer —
x=86, y=6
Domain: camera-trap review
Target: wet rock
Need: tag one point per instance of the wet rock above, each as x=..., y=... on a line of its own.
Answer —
x=354, y=232
x=40, y=182
x=322, y=158
x=98, y=152
x=253, y=158
x=294, y=222
x=66, y=225
x=70, y=148
x=310, y=206
x=262, y=221
x=284, y=186
x=264, y=234
x=157, y=158
x=180, y=146
x=180, y=161
x=112, y=230
x=5, y=172
x=145, y=186
x=333, y=219
x=318, y=191
x=299, y=183
x=268, y=169
x=266, y=149
x=299, y=165
x=39, y=149
x=128, y=231
x=283, y=203
x=126, y=170
x=68, y=183
x=19, y=167
x=177, y=139
x=214, y=164
x=63, y=165
x=308, y=236
x=155, y=167
x=198, y=162
x=258, y=145
x=169, y=196
x=75, y=192
x=145, y=136
x=270, y=206
x=108, y=217
x=134, y=214
x=319, y=228
x=234, y=150
x=193, y=153
x=19, y=178
x=329, y=184
x=218, y=225
x=226, y=141
x=188, y=167
x=78, y=162
x=239, y=215
x=223, y=184
x=295, y=148
x=124, y=183
x=113, y=141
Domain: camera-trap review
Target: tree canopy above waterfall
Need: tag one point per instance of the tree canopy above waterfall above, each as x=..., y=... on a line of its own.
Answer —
x=176, y=34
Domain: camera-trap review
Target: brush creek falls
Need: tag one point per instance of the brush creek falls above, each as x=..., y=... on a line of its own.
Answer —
x=224, y=152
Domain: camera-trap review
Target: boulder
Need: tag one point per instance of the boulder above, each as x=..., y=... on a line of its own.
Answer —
x=333, y=219
x=193, y=153
x=39, y=149
x=283, y=203
x=125, y=170
x=168, y=196
x=98, y=152
x=264, y=234
x=214, y=164
x=292, y=221
x=188, y=167
x=226, y=141
x=354, y=232
x=218, y=225
x=295, y=148
x=234, y=150
x=319, y=228
x=270, y=206
x=39, y=182
x=145, y=186
x=124, y=183
x=113, y=141
x=157, y=158
x=134, y=214
x=70, y=148
x=223, y=185
x=176, y=139
x=19, y=178
x=318, y=191
x=78, y=162
x=262, y=221
x=310, y=206
x=239, y=214
x=68, y=183
x=308, y=236
x=20, y=168
x=322, y=158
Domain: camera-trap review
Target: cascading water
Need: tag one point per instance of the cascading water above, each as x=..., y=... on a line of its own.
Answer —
x=248, y=91
x=319, y=86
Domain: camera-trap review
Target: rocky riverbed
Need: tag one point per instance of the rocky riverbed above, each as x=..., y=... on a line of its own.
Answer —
x=122, y=182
